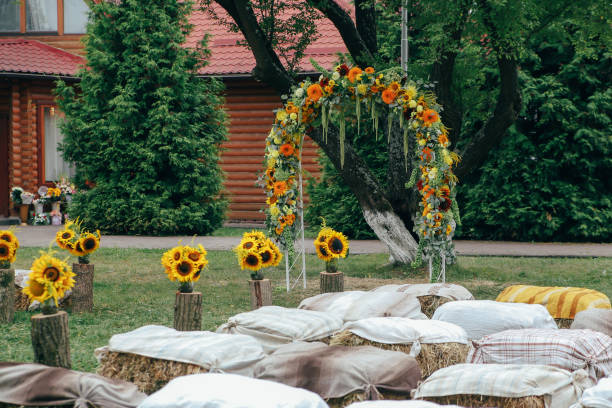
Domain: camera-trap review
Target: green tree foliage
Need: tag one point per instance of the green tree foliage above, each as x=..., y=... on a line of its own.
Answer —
x=142, y=129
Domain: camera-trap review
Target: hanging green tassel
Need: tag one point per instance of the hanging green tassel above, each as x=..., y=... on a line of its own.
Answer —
x=342, y=135
x=324, y=122
x=406, y=148
x=357, y=111
x=374, y=117
x=389, y=123
x=401, y=121
x=376, y=127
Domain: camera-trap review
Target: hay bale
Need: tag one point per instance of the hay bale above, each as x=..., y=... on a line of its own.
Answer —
x=429, y=303
x=148, y=374
x=488, y=401
x=361, y=396
x=431, y=358
x=564, y=323
x=22, y=302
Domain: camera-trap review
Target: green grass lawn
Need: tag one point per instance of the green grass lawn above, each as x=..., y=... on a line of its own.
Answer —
x=131, y=290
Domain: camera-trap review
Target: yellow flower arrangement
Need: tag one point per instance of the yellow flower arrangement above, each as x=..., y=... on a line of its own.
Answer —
x=255, y=251
x=8, y=248
x=330, y=245
x=77, y=240
x=49, y=280
x=184, y=264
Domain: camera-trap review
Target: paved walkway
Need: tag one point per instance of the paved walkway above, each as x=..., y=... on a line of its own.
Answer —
x=41, y=236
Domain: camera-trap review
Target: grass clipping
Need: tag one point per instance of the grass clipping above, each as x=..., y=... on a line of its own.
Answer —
x=431, y=358
x=430, y=303
x=148, y=374
x=465, y=400
x=361, y=396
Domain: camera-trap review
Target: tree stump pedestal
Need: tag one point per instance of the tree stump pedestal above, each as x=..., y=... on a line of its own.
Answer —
x=332, y=282
x=188, y=311
x=7, y=295
x=51, y=339
x=261, y=293
x=82, y=292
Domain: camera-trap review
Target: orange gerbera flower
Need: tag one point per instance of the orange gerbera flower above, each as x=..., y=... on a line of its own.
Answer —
x=430, y=116
x=280, y=187
x=354, y=73
x=443, y=139
x=290, y=219
x=315, y=92
x=374, y=89
x=427, y=154
x=286, y=150
x=388, y=96
x=369, y=70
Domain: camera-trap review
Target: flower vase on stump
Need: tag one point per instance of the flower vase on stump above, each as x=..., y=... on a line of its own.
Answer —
x=256, y=252
x=8, y=253
x=331, y=245
x=185, y=264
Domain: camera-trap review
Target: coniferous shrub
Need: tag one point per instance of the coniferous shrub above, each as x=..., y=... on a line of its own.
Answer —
x=143, y=131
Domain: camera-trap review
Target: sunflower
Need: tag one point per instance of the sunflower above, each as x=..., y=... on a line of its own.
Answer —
x=35, y=290
x=184, y=269
x=388, y=96
x=267, y=256
x=322, y=251
x=255, y=235
x=8, y=236
x=76, y=249
x=443, y=139
x=342, y=69
x=63, y=237
x=247, y=244
x=286, y=150
x=280, y=187
x=337, y=244
x=315, y=92
x=167, y=262
x=251, y=260
x=7, y=252
x=55, y=275
x=90, y=242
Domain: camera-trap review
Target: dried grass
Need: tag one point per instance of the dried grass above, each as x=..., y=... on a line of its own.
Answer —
x=148, y=374
x=431, y=358
x=564, y=323
x=21, y=302
x=359, y=396
x=468, y=401
x=430, y=303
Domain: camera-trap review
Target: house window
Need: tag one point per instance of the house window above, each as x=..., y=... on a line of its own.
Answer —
x=9, y=16
x=43, y=16
x=54, y=165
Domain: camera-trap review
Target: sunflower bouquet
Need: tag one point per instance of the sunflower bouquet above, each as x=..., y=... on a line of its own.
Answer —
x=8, y=248
x=184, y=264
x=78, y=241
x=49, y=280
x=331, y=245
x=255, y=252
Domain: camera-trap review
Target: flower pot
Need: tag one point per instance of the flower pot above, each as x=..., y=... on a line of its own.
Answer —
x=188, y=311
x=38, y=208
x=23, y=213
x=55, y=206
x=56, y=219
x=261, y=293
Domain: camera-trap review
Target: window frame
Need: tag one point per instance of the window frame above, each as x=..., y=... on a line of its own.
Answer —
x=22, y=23
x=40, y=136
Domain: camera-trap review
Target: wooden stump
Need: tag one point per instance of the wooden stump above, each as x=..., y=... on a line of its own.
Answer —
x=51, y=339
x=261, y=293
x=82, y=292
x=332, y=282
x=188, y=311
x=7, y=295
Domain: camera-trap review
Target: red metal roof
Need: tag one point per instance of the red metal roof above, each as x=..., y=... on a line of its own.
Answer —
x=227, y=58
x=34, y=57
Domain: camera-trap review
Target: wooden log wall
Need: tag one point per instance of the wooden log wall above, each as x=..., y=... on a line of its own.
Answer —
x=249, y=105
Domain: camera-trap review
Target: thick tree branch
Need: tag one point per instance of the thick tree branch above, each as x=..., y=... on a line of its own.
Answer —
x=365, y=19
x=354, y=42
x=268, y=67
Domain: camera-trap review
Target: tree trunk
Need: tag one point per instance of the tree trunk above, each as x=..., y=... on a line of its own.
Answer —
x=331, y=282
x=390, y=229
x=82, y=292
x=51, y=339
x=188, y=311
x=261, y=293
x=7, y=295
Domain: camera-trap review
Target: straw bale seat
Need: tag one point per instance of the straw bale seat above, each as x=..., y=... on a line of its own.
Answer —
x=434, y=344
x=594, y=319
x=563, y=348
x=504, y=386
x=483, y=317
x=562, y=302
x=399, y=404
x=151, y=356
x=342, y=375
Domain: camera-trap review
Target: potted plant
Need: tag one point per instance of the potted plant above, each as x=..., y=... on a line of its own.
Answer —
x=80, y=243
x=8, y=253
x=256, y=252
x=330, y=245
x=185, y=264
x=49, y=280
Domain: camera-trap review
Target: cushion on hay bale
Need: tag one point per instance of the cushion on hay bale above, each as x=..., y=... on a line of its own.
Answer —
x=483, y=317
x=434, y=344
x=562, y=348
x=561, y=302
x=150, y=356
x=399, y=404
x=337, y=372
x=37, y=384
x=594, y=319
x=599, y=396
x=357, y=306
x=274, y=326
x=230, y=391
x=504, y=386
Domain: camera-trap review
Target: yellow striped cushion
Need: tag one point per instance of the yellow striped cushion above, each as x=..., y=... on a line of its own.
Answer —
x=561, y=302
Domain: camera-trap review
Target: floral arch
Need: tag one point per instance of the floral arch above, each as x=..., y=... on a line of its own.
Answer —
x=348, y=94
